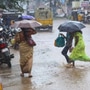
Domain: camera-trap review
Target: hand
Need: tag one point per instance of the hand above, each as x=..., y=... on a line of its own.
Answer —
x=32, y=31
x=62, y=35
x=70, y=49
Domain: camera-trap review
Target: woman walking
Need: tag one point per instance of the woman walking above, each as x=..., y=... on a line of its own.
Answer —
x=78, y=53
x=26, y=50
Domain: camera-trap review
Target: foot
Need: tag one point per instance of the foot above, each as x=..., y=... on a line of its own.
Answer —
x=30, y=76
x=69, y=65
x=22, y=74
x=72, y=62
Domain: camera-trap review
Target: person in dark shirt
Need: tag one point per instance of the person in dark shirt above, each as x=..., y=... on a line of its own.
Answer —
x=69, y=39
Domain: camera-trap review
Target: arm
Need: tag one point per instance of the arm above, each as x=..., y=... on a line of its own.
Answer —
x=76, y=40
x=17, y=38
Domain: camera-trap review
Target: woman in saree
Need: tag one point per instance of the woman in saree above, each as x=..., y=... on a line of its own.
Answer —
x=26, y=51
x=78, y=52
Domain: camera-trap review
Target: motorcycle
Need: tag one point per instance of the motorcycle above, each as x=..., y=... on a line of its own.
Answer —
x=5, y=56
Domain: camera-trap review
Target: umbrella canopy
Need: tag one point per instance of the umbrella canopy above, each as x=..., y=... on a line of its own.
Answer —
x=26, y=24
x=27, y=17
x=71, y=26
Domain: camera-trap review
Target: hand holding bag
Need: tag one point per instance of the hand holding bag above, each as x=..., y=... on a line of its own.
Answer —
x=60, y=40
x=31, y=42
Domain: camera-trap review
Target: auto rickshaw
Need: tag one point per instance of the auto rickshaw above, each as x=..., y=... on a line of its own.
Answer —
x=45, y=17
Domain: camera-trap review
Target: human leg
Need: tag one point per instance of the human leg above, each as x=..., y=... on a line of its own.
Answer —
x=64, y=52
x=30, y=62
x=22, y=74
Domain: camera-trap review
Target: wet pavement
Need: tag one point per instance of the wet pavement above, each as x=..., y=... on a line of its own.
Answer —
x=49, y=71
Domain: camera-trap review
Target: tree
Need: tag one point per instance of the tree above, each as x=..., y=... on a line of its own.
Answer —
x=11, y=4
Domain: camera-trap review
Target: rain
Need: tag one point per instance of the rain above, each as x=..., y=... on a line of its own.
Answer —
x=48, y=71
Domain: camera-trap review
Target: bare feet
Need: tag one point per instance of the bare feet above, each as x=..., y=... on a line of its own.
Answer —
x=72, y=62
x=22, y=74
x=30, y=76
x=69, y=65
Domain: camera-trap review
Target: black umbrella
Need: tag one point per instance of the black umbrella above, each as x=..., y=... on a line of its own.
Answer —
x=71, y=26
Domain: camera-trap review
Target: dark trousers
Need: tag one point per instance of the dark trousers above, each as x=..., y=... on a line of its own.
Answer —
x=64, y=52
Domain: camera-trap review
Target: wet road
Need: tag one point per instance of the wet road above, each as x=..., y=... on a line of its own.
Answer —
x=49, y=71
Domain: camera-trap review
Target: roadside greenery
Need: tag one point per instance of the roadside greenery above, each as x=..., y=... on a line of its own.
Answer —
x=12, y=4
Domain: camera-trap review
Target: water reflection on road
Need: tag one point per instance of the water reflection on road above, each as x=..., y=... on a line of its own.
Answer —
x=50, y=76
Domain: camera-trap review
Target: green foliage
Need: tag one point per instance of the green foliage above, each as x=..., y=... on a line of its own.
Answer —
x=11, y=4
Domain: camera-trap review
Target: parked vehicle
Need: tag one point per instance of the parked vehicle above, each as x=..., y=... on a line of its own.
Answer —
x=8, y=17
x=12, y=38
x=45, y=17
x=87, y=19
x=5, y=56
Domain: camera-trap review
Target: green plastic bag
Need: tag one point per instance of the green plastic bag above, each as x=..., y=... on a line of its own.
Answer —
x=59, y=41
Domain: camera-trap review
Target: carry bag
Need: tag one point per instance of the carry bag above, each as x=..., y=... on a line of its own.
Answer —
x=31, y=42
x=59, y=41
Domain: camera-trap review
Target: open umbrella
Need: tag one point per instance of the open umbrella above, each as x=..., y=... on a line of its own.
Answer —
x=27, y=17
x=26, y=24
x=71, y=26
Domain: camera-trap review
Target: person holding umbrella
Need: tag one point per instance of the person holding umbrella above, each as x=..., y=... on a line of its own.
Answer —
x=25, y=49
x=78, y=52
x=26, y=43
